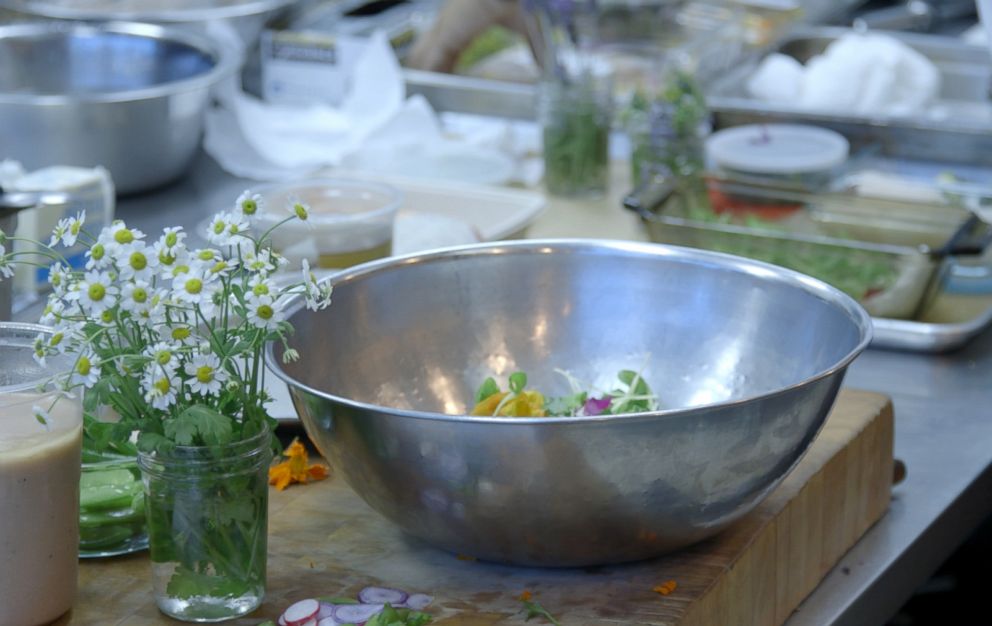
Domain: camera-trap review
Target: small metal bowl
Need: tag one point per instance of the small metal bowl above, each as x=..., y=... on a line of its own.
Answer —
x=131, y=97
x=746, y=357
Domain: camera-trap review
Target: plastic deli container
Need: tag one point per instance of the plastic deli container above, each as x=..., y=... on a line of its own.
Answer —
x=803, y=158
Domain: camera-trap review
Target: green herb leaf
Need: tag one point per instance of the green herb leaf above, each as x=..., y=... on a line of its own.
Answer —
x=565, y=405
x=518, y=381
x=185, y=583
x=151, y=442
x=488, y=388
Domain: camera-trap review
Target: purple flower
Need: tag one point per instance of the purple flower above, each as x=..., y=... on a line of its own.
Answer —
x=596, y=407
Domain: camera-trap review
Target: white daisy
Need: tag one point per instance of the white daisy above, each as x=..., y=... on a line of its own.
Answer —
x=96, y=292
x=163, y=355
x=97, y=257
x=206, y=374
x=118, y=235
x=44, y=417
x=87, y=371
x=137, y=261
x=263, y=312
x=196, y=289
x=228, y=229
x=178, y=334
x=171, y=241
x=260, y=285
x=59, y=277
x=54, y=309
x=260, y=262
x=300, y=209
x=161, y=387
x=248, y=204
x=67, y=230
x=137, y=296
x=317, y=295
x=40, y=349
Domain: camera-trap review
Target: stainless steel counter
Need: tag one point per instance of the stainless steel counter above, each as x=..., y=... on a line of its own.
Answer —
x=943, y=419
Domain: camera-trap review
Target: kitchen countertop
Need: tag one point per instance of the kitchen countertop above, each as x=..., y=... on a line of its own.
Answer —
x=943, y=430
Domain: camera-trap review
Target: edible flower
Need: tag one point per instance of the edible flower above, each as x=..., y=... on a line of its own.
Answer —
x=295, y=469
x=665, y=588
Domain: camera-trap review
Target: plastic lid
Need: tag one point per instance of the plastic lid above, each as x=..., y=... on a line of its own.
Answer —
x=777, y=149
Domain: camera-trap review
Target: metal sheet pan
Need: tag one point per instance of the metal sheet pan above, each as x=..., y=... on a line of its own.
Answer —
x=933, y=337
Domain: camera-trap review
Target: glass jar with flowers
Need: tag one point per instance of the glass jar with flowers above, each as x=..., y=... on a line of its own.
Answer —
x=171, y=338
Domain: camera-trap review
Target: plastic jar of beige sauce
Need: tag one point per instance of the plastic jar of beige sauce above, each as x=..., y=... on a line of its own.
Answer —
x=39, y=484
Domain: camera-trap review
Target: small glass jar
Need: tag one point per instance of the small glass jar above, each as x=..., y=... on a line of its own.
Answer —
x=575, y=120
x=207, y=527
x=111, y=507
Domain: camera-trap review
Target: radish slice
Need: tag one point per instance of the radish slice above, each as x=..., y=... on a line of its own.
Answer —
x=281, y=621
x=382, y=595
x=328, y=621
x=326, y=610
x=418, y=601
x=355, y=613
x=310, y=622
x=300, y=613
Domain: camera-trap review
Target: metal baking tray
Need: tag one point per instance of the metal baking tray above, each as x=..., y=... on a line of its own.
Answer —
x=957, y=128
x=922, y=284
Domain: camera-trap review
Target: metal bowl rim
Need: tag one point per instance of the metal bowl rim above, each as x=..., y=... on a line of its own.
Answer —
x=226, y=61
x=809, y=284
x=244, y=9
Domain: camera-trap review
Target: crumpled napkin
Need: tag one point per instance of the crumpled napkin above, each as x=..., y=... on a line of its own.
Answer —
x=867, y=74
x=374, y=129
x=289, y=139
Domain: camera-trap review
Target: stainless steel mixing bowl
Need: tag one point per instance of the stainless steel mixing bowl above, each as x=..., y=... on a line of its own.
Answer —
x=747, y=359
x=131, y=97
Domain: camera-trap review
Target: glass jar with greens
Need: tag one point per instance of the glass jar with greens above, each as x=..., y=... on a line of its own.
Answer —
x=667, y=134
x=207, y=527
x=575, y=120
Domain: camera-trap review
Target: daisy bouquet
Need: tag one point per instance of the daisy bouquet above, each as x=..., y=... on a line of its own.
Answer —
x=170, y=336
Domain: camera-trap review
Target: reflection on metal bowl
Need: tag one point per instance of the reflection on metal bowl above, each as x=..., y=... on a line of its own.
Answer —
x=128, y=96
x=746, y=357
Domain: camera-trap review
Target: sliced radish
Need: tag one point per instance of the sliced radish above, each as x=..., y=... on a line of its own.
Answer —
x=300, y=613
x=326, y=610
x=418, y=601
x=310, y=622
x=281, y=621
x=328, y=621
x=382, y=595
x=355, y=613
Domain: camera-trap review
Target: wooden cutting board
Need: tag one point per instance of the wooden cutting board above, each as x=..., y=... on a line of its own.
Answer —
x=324, y=540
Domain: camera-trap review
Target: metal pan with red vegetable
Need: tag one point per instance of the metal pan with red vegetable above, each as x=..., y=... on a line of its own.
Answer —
x=888, y=262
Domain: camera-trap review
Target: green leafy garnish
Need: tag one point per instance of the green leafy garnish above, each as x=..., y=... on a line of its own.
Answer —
x=390, y=616
x=534, y=609
x=517, y=382
x=488, y=388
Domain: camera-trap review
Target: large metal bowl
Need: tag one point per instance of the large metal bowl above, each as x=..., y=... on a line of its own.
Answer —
x=128, y=96
x=746, y=357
